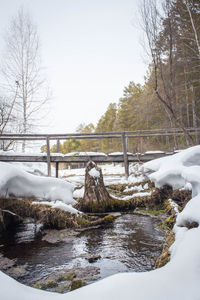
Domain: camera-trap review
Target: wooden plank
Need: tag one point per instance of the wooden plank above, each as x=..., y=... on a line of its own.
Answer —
x=80, y=137
x=126, y=164
x=117, y=134
x=19, y=158
x=57, y=163
x=83, y=159
x=48, y=157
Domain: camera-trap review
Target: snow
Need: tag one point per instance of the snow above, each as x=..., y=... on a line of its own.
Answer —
x=119, y=153
x=60, y=205
x=154, y=152
x=142, y=194
x=178, y=279
x=113, y=173
x=18, y=183
x=11, y=152
x=36, y=168
x=79, y=193
x=94, y=173
x=128, y=197
x=168, y=170
x=174, y=205
x=136, y=188
x=85, y=154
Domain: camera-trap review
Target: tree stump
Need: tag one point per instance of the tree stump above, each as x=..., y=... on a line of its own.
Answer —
x=96, y=198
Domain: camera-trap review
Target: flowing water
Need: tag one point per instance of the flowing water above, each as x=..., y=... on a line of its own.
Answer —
x=131, y=243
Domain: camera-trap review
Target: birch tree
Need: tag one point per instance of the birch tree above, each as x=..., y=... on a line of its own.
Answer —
x=21, y=66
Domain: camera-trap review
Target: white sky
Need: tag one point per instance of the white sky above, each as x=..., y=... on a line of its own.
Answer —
x=91, y=50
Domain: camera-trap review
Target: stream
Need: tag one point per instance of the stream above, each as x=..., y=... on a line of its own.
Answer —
x=131, y=243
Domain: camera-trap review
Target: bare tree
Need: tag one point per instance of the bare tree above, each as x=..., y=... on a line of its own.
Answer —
x=164, y=88
x=7, y=118
x=187, y=4
x=21, y=66
x=197, y=43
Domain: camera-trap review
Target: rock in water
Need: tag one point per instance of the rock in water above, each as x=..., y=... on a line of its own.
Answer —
x=96, y=198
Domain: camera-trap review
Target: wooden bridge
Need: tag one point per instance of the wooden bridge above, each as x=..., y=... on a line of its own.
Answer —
x=57, y=158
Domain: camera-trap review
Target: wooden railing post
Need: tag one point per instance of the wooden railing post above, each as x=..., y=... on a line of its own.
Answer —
x=127, y=143
x=126, y=165
x=57, y=163
x=48, y=157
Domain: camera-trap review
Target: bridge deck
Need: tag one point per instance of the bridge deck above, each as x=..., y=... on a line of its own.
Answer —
x=122, y=136
x=56, y=158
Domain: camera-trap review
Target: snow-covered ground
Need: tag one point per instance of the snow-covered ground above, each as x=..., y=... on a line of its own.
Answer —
x=16, y=182
x=178, y=280
x=112, y=173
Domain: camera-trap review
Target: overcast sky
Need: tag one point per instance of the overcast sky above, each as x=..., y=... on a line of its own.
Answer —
x=90, y=49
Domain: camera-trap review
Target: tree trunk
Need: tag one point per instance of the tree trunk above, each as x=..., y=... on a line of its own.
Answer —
x=195, y=123
x=96, y=197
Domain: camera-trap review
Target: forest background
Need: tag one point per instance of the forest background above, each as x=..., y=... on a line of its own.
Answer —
x=170, y=96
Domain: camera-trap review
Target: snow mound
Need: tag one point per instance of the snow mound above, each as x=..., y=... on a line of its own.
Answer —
x=18, y=183
x=168, y=170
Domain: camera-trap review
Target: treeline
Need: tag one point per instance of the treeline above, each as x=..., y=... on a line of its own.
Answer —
x=170, y=96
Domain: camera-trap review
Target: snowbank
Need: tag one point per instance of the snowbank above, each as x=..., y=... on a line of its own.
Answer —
x=18, y=183
x=172, y=169
x=178, y=280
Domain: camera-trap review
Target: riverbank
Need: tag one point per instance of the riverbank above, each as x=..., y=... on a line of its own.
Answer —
x=54, y=259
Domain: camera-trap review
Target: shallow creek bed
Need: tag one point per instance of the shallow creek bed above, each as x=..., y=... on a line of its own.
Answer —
x=64, y=260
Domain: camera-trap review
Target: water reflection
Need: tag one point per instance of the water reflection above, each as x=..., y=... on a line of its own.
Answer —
x=131, y=243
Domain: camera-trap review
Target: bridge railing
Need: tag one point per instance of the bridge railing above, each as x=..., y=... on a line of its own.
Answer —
x=122, y=135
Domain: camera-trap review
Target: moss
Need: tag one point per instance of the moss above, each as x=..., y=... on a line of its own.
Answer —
x=170, y=221
x=77, y=283
x=117, y=187
x=153, y=212
x=66, y=276
x=163, y=226
x=44, y=285
x=18, y=270
x=108, y=219
x=63, y=288
x=50, y=217
x=155, y=201
x=164, y=258
x=51, y=284
x=82, y=221
x=38, y=285
x=110, y=206
x=170, y=208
